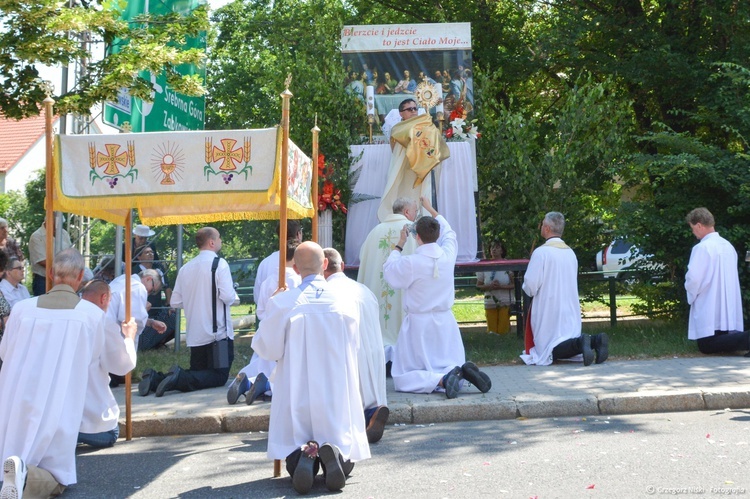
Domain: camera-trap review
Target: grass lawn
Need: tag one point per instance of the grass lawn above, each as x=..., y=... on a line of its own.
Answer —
x=630, y=339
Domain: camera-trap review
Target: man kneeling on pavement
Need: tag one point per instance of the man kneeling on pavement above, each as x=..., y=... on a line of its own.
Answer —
x=316, y=415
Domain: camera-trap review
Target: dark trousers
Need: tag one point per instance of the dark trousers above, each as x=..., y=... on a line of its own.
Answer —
x=150, y=339
x=201, y=373
x=567, y=349
x=39, y=285
x=725, y=341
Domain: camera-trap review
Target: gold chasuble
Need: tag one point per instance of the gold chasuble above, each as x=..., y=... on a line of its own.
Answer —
x=425, y=147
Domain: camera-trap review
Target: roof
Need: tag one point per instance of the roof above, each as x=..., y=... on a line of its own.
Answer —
x=17, y=137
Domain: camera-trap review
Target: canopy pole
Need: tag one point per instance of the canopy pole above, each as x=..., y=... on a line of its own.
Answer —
x=128, y=268
x=49, y=181
x=286, y=95
x=315, y=131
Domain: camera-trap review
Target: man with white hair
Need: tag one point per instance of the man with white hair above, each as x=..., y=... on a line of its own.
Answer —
x=60, y=334
x=373, y=254
x=142, y=285
x=370, y=354
x=552, y=280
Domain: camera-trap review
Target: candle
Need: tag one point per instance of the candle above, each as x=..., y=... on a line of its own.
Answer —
x=439, y=92
x=370, y=97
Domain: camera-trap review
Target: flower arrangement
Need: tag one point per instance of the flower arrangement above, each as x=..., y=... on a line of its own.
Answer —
x=461, y=127
x=329, y=196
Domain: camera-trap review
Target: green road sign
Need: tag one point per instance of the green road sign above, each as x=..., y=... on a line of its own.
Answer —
x=169, y=110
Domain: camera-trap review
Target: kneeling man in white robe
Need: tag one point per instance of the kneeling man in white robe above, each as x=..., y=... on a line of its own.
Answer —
x=551, y=279
x=370, y=353
x=39, y=419
x=713, y=290
x=316, y=411
x=429, y=353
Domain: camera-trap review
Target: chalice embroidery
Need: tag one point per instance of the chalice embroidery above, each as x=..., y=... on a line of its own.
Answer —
x=168, y=163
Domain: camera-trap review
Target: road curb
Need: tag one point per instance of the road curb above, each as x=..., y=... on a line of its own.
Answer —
x=479, y=407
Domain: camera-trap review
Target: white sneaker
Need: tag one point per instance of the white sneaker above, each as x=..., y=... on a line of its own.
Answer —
x=14, y=478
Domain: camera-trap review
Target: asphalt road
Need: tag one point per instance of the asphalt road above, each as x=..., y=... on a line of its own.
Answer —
x=672, y=454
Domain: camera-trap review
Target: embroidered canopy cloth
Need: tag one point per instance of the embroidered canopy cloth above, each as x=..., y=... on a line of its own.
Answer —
x=180, y=177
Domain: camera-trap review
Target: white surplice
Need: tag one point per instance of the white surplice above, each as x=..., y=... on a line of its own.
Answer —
x=374, y=253
x=47, y=355
x=713, y=288
x=311, y=333
x=267, y=289
x=552, y=280
x=429, y=342
x=267, y=267
x=138, y=302
x=101, y=412
x=370, y=354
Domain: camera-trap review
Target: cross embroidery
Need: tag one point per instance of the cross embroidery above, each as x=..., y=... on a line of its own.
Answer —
x=228, y=155
x=112, y=159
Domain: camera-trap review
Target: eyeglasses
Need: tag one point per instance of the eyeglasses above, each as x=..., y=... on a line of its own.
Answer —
x=17, y=268
x=411, y=109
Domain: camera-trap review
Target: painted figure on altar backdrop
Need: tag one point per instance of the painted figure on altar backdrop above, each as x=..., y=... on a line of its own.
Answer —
x=406, y=85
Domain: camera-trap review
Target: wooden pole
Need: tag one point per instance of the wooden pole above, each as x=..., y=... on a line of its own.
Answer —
x=315, y=131
x=128, y=267
x=49, y=219
x=286, y=95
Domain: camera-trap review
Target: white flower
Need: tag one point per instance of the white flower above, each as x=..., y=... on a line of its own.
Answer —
x=458, y=126
x=473, y=131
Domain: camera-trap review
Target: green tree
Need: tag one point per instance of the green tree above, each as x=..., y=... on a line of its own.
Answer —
x=51, y=33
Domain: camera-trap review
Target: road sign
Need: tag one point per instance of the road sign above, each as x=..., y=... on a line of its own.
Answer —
x=170, y=110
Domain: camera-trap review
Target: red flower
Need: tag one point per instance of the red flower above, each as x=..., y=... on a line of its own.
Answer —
x=449, y=132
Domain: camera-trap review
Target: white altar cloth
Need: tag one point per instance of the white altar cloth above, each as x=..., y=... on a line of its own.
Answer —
x=457, y=183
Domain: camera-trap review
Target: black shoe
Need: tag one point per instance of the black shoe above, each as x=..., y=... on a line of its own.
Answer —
x=330, y=460
x=347, y=466
x=600, y=343
x=451, y=382
x=303, y=473
x=144, y=386
x=377, y=424
x=115, y=380
x=239, y=386
x=256, y=389
x=169, y=382
x=586, y=351
x=473, y=375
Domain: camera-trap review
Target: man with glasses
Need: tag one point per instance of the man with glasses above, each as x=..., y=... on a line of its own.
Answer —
x=11, y=286
x=417, y=147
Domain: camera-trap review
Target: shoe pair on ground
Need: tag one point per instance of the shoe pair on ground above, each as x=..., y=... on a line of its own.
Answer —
x=471, y=373
x=242, y=386
x=14, y=478
x=303, y=464
x=150, y=381
x=594, y=348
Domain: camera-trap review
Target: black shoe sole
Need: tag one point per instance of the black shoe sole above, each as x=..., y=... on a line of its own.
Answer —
x=602, y=352
x=169, y=382
x=233, y=394
x=144, y=386
x=586, y=351
x=377, y=424
x=330, y=460
x=303, y=477
x=473, y=375
x=452, y=383
x=256, y=389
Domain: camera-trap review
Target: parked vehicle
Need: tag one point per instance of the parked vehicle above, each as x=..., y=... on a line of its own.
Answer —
x=243, y=274
x=620, y=255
